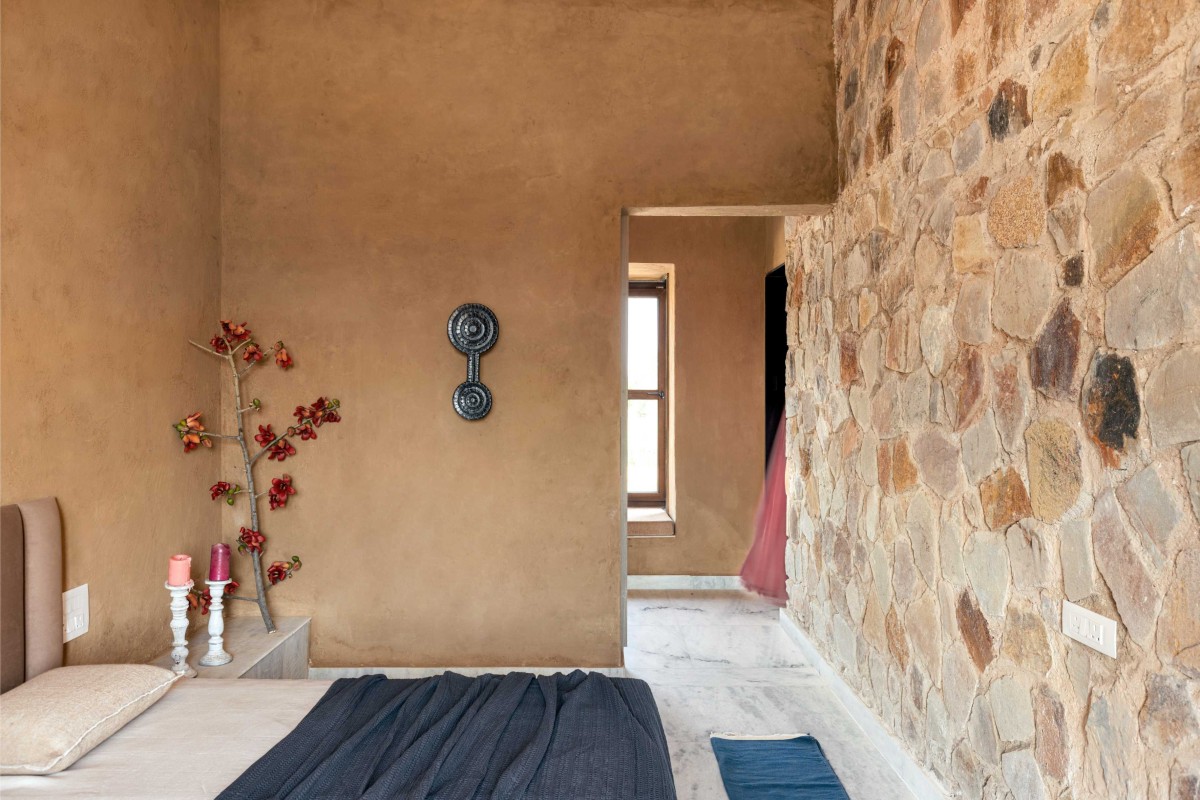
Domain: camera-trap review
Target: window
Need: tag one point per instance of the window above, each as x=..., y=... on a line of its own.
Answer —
x=646, y=359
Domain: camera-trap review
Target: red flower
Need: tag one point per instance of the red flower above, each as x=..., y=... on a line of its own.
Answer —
x=251, y=540
x=223, y=489
x=282, y=570
x=280, y=489
x=218, y=344
x=253, y=353
x=238, y=333
x=202, y=600
x=277, y=571
x=190, y=432
x=281, y=450
x=305, y=432
x=264, y=436
x=319, y=413
x=199, y=599
x=282, y=359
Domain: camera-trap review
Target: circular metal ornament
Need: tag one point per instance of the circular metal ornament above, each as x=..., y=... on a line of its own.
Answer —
x=472, y=400
x=473, y=329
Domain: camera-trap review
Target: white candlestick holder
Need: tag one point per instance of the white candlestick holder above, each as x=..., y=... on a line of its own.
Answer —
x=179, y=626
x=216, y=655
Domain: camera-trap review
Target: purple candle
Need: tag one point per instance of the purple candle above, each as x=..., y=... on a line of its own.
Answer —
x=218, y=566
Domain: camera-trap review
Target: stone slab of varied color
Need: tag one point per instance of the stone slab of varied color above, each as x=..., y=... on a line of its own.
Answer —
x=1017, y=217
x=1055, y=355
x=1025, y=284
x=1173, y=398
x=1112, y=408
x=1125, y=216
x=1137, y=597
x=1158, y=301
x=1005, y=499
x=1055, y=468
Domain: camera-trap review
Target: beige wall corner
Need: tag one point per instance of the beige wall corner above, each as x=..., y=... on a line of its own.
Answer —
x=110, y=248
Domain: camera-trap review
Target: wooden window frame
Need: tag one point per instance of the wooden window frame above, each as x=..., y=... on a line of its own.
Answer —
x=658, y=290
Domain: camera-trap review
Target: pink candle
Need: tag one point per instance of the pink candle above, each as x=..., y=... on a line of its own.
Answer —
x=218, y=565
x=179, y=570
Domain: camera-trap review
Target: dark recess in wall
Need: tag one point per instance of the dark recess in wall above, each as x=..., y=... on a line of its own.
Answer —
x=775, y=351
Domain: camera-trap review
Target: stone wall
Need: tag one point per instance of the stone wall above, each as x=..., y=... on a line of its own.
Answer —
x=994, y=399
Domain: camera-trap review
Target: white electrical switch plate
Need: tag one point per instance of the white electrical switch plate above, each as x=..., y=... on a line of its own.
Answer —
x=75, y=613
x=1088, y=627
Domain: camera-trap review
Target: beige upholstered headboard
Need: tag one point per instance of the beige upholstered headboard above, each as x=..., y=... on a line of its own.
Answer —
x=30, y=591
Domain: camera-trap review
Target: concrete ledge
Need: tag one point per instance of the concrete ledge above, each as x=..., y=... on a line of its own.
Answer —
x=921, y=783
x=256, y=653
x=683, y=583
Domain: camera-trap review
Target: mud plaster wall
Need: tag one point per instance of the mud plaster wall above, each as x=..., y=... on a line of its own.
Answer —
x=383, y=163
x=994, y=366
x=718, y=400
x=109, y=246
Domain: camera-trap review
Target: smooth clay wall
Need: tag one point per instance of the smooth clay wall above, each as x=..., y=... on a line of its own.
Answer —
x=110, y=229
x=384, y=162
x=995, y=363
x=718, y=398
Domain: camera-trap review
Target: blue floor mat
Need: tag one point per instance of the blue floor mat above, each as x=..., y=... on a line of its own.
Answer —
x=779, y=768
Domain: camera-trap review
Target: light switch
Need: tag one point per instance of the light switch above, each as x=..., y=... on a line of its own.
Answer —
x=76, y=616
x=1088, y=627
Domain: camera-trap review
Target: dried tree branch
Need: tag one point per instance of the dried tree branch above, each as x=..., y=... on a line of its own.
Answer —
x=231, y=349
x=260, y=592
x=210, y=351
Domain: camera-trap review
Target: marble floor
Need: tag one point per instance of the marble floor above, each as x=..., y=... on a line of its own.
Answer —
x=719, y=661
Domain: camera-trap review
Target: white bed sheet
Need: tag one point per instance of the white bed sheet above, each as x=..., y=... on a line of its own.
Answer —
x=189, y=745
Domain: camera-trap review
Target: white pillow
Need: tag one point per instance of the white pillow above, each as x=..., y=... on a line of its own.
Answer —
x=48, y=723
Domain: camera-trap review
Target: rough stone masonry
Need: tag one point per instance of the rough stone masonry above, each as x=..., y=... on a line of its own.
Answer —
x=994, y=390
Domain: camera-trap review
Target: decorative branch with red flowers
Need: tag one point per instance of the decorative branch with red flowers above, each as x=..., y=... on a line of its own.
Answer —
x=234, y=343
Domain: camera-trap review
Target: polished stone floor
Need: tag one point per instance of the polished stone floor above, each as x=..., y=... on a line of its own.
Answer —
x=719, y=661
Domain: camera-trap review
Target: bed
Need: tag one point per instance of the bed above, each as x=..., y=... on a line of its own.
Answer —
x=206, y=737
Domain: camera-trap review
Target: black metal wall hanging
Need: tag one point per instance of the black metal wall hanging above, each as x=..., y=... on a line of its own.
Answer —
x=473, y=329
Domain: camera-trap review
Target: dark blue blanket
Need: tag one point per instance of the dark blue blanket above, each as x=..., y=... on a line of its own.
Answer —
x=581, y=736
x=787, y=768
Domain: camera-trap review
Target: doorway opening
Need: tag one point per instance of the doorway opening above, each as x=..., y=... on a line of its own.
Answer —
x=723, y=394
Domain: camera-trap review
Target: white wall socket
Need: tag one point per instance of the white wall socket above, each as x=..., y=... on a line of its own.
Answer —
x=76, y=616
x=1088, y=627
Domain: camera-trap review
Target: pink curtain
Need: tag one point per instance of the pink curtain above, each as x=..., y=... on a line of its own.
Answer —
x=763, y=571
